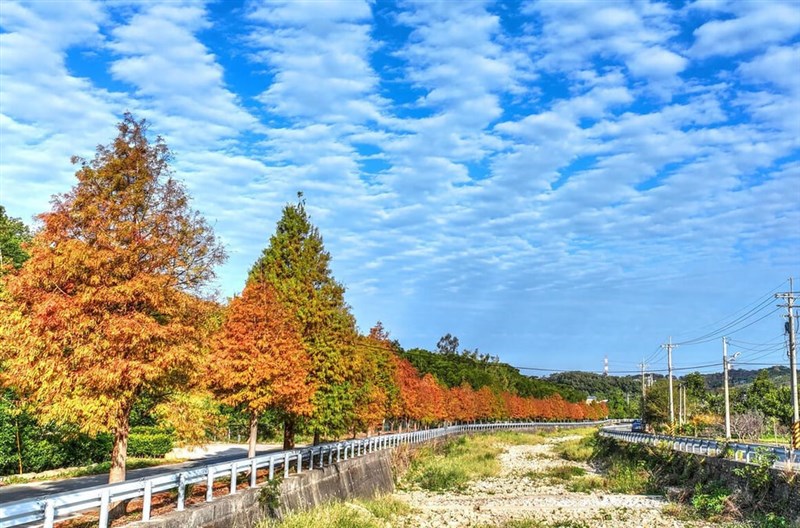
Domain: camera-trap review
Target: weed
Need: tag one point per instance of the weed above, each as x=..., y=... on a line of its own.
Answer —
x=270, y=494
x=458, y=462
x=587, y=484
x=711, y=499
x=769, y=520
x=578, y=450
x=386, y=508
x=335, y=515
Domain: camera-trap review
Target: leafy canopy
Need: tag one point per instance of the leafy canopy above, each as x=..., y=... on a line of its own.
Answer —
x=107, y=306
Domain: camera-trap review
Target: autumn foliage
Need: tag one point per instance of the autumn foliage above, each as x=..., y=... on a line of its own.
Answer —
x=106, y=307
x=258, y=361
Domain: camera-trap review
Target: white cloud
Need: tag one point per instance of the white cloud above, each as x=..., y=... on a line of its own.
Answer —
x=46, y=113
x=177, y=79
x=639, y=34
x=757, y=24
x=779, y=66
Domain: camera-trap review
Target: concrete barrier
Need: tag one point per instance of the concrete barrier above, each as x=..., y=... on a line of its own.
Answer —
x=363, y=477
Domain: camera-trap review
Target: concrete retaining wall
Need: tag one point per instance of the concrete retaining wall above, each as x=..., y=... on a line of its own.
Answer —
x=363, y=477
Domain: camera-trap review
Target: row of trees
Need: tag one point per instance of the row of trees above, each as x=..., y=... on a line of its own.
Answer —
x=106, y=307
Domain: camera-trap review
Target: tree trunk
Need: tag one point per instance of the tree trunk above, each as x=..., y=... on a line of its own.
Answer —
x=251, y=445
x=317, y=438
x=288, y=432
x=119, y=455
x=120, y=452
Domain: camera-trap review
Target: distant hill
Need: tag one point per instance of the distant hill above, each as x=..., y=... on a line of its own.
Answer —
x=596, y=384
x=737, y=377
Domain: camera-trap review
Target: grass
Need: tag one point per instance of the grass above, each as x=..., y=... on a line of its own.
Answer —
x=456, y=463
x=518, y=438
x=578, y=450
x=92, y=469
x=533, y=523
x=587, y=484
x=557, y=473
x=376, y=513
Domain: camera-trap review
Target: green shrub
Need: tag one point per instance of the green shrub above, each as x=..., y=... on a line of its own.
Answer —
x=149, y=442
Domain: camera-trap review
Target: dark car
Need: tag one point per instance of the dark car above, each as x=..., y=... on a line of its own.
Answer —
x=637, y=426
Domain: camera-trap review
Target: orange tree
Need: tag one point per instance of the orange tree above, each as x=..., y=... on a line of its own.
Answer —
x=258, y=360
x=108, y=307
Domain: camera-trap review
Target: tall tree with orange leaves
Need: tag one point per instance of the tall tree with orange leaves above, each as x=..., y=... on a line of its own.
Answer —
x=108, y=304
x=258, y=360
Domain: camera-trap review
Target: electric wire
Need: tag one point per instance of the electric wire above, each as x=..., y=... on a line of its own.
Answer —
x=761, y=300
x=728, y=328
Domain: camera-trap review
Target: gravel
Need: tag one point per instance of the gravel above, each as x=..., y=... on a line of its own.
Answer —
x=516, y=494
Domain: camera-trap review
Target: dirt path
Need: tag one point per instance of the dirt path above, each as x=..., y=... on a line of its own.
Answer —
x=520, y=492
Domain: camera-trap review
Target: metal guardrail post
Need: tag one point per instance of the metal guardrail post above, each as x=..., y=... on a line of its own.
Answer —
x=286, y=465
x=234, y=475
x=299, y=465
x=49, y=513
x=181, y=492
x=210, y=485
x=271, y=467
x=147, y=500
x=104, y=504
x=253, y=473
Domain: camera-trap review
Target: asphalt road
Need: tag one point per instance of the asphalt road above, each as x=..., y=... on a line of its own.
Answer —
x=16, y=492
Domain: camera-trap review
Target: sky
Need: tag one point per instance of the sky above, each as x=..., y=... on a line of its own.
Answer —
x=551, y=182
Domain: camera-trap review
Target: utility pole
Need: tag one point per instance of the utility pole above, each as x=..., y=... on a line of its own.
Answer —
x=644, y=394
x=789, y=296
x=727, y=395
x=685, y=405
x=726, y=365
x=669, y=346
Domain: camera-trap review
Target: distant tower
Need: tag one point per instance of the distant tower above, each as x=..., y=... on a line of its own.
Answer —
x=605, y=366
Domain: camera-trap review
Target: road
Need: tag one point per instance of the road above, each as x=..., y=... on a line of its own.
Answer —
x=219, y=453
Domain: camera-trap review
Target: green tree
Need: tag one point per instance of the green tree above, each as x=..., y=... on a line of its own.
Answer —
x=656, y=409
x=298, y=266
x=773, y=401
x=448, y=344
x=13, y=234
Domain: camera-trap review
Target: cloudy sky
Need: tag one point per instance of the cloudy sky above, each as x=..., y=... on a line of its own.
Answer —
x=552, y=182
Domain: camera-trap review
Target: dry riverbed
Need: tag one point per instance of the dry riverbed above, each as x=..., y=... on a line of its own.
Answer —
x=525, y=490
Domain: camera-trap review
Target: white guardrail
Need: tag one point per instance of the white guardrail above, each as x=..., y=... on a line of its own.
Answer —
x=45, y=510
x=705, y=446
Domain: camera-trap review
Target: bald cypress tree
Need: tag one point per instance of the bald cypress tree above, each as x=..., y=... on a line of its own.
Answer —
x=298, y=267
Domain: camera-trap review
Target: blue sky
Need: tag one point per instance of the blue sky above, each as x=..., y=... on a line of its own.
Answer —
x=552, y=182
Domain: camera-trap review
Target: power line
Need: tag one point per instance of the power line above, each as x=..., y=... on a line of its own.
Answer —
x=759, y=300
x=726, y=330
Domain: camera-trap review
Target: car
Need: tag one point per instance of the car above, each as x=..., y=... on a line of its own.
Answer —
x=637, y=426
